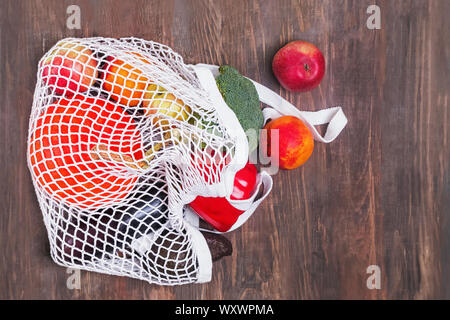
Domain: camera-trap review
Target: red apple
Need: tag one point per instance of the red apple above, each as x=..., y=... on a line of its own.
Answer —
x=70, y=68
x=299, y=66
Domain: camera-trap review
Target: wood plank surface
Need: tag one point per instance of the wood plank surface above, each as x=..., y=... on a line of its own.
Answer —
x=378, y=195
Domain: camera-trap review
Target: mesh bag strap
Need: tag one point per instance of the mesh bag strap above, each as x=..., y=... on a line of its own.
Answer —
x=334, y=117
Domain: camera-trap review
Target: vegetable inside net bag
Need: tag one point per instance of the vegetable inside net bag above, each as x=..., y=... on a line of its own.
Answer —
x=122, y=136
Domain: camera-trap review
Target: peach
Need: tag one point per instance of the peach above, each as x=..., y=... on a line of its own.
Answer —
x=295, y=144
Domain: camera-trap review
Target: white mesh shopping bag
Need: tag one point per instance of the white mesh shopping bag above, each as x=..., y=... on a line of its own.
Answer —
x=123, y=134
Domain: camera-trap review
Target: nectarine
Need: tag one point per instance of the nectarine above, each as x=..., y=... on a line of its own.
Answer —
x=295, y=143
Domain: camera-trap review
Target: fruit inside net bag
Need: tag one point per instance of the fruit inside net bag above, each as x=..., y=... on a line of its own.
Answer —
x=123, y=134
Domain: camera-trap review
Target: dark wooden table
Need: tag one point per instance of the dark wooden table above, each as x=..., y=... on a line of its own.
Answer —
x=378, y=195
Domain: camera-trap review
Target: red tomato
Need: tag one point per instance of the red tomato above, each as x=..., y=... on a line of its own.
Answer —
x=60, y=154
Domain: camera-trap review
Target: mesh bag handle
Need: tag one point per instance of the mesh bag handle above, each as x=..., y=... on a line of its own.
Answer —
x=334, y=117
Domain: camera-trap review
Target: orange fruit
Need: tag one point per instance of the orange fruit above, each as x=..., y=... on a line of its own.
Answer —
x=125, y=82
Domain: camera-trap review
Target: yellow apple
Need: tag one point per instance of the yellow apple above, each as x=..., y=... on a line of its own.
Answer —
x=158, y=101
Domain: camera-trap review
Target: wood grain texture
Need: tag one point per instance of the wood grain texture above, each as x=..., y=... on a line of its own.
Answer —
x=379, y=194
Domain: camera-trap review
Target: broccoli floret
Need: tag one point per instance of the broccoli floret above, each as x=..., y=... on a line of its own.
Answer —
x=241, y=96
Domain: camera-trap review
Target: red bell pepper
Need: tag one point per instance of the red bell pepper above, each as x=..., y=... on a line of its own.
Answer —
x=220, y=213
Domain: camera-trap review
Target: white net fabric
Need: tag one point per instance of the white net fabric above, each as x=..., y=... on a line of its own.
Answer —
x=122, y=135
